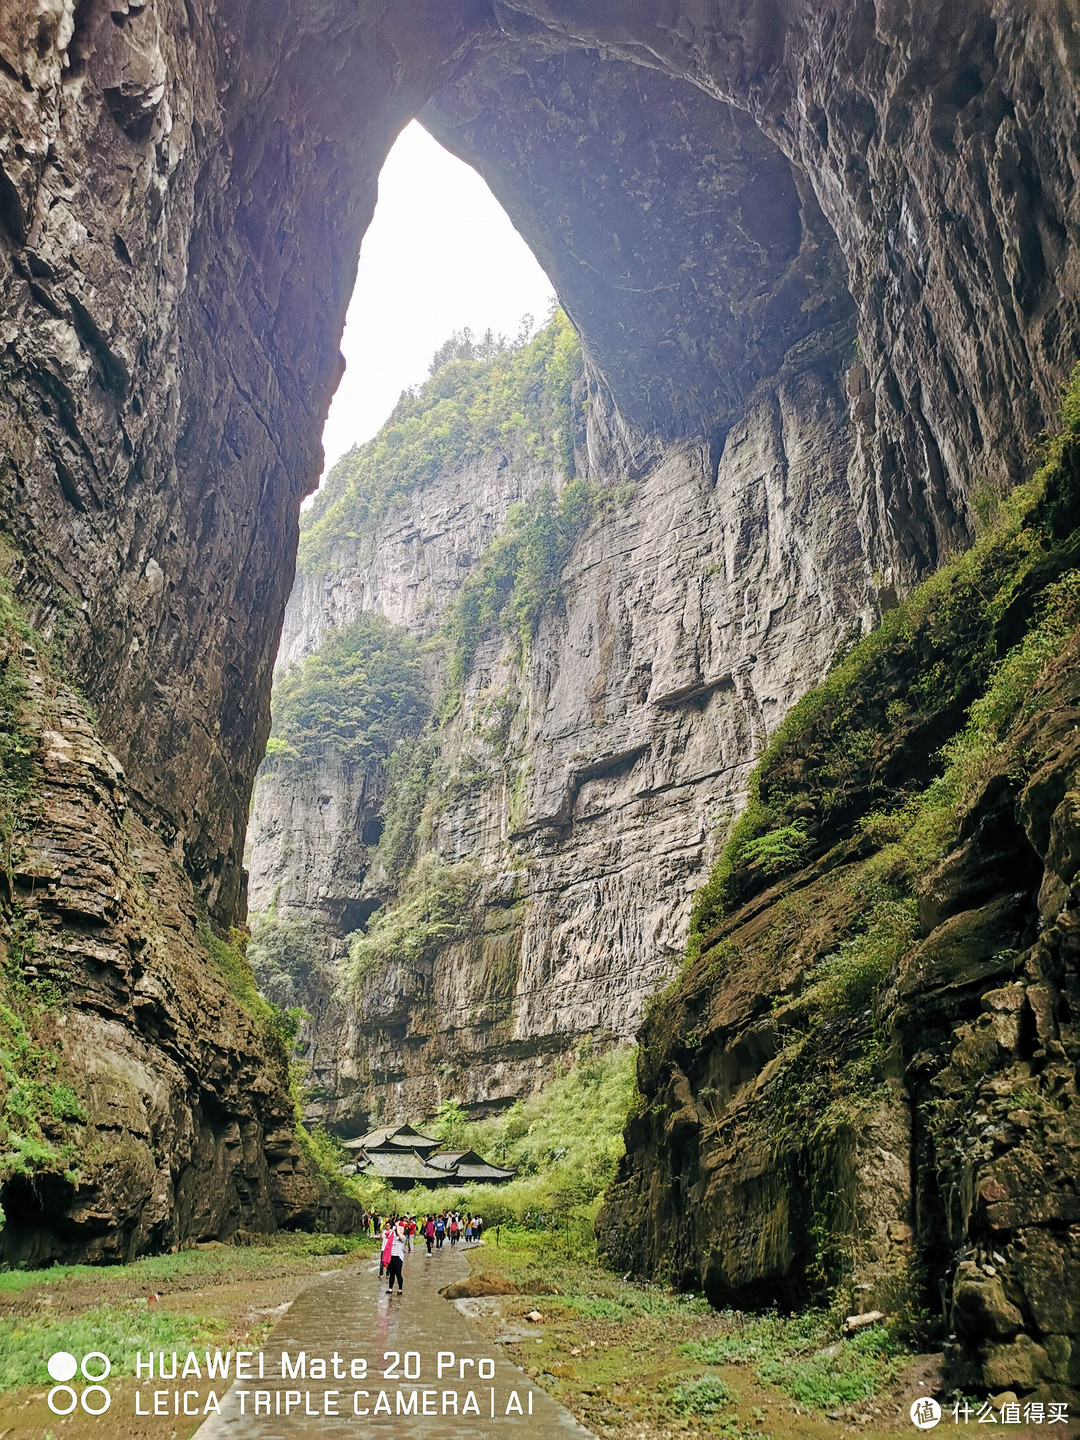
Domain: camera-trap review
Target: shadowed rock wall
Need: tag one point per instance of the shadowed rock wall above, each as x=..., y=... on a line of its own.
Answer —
x=182, y=194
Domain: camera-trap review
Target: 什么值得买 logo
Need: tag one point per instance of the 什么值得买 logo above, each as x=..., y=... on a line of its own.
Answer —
x=63, y=1398
x=925, y=1413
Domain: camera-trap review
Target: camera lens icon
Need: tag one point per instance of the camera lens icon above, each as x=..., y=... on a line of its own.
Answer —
x=94, y=1398
x=62, y=1366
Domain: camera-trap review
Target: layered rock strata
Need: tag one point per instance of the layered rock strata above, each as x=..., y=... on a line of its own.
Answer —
x=587, y=784
x=183, y=1127
x=183, y=188
x=867, y=1076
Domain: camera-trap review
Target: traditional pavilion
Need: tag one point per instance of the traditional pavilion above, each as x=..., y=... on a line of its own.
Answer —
x=403, y=1157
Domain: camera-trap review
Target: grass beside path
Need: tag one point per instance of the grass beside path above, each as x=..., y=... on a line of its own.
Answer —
x=219, y=1298
x=640, y=1362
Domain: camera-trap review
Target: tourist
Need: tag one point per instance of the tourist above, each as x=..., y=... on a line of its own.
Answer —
x=453, y=1231
x=397, y=1258
x=440, y=1232
x=477, y=1228
x=387, y=1247
x=429, y=1232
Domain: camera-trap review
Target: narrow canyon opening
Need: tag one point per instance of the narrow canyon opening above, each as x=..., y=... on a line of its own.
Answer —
x=674, y=716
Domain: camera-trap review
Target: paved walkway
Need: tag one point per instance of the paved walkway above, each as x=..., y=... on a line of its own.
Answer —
x=350, y=1315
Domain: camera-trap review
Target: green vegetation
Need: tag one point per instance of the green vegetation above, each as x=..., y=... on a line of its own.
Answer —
x=436, y=910
x=703, y=1396
x=799, y=1354
x=283, y=953
x=516, y=398
x=632, y=1359
x=359, y=694
x=95, y=1307
x=120, y=1333
x=38, y=1105
x=234, y=969
x=517, y=578
x=564, y=1143
x=409, y=782
x=184, y=1268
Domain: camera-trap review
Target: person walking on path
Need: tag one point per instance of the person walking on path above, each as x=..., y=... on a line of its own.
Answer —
x=429, y=1233
x=453, y=1231
x=386, y=1250
x=440, y=1232
x=397, y=1260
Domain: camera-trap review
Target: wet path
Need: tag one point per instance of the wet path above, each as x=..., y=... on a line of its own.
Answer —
x=480, y=1395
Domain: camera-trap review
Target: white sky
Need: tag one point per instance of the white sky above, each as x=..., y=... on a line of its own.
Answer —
x=440, y=254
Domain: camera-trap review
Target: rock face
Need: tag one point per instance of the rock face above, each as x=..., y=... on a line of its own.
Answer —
x=183, y=1127
x=867, y=1076
x=825, y=263
x=687, y=627
x=173, y=290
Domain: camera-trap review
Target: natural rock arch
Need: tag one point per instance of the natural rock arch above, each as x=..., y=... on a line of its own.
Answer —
x=183, y=199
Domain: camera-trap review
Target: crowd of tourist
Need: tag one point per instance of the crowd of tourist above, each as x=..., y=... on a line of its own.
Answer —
x=400, y=1231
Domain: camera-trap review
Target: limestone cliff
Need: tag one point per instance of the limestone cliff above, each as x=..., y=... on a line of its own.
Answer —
x=143, y=1101
x=824, y=263
x=586, y=779
x=866, y=1076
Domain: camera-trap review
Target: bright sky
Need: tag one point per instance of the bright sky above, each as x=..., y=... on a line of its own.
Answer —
x=440, y=254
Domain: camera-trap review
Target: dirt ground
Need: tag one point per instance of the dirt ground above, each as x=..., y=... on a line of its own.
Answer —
x=619, y=1376
x=611, y=1351
x=244, y=1292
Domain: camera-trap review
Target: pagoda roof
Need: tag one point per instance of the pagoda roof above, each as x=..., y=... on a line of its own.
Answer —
x=396, y=1137
x=404, y=1157
x=390, y=1165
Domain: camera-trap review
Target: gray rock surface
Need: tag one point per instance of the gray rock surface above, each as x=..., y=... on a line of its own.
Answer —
x=183, y=190
x=687, y=629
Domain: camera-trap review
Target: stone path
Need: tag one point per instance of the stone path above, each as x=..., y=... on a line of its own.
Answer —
x=479, y=1396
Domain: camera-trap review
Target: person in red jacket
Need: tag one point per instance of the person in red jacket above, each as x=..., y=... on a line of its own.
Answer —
x=429, y=1232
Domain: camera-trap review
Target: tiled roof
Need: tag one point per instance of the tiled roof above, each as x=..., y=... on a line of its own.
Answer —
x=482, y=1171
x=400, y=1166
x=397, y=1137
x=388, y=1154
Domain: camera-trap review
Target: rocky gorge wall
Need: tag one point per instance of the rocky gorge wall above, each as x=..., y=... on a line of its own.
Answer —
x=888, y=192
x=145, y=1104
x=587, y=783
x=865, y=1077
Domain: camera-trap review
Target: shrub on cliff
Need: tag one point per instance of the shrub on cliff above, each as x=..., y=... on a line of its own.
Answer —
x=519, y=574
x=516, y=398
x=436, y=909
x=360, y=693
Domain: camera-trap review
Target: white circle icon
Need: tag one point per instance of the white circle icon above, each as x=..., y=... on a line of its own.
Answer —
x=925, y=1413
x=102, y=1406
x=54, y=1403
x=106, y=1365
x=62, y=1366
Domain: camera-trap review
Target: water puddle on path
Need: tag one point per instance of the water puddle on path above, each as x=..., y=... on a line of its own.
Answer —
x=411, y=1364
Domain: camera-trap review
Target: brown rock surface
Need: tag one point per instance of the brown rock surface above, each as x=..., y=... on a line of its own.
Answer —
x=186, y=1128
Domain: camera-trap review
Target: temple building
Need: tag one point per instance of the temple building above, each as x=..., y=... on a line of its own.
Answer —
x=403, y=1157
